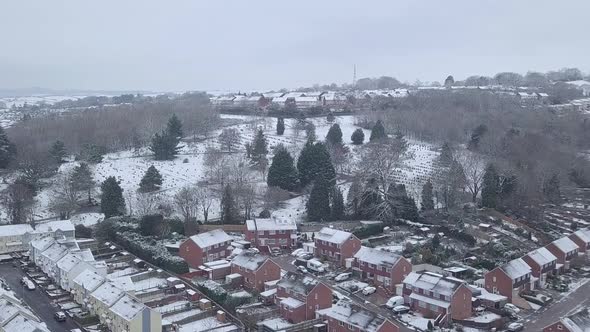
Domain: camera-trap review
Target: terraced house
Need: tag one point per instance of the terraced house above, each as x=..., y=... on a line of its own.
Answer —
x=255, y=270
x=438, y=297
x=382, y=268
x=345, y=316
x=509, y=279
x=272, y=233
x=542, y=263
x=299, y=297
x=565, y=250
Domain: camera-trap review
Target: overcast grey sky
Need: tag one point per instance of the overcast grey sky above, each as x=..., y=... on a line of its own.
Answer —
x=193, y=45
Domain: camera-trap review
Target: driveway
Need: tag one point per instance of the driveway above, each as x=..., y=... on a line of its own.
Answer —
x=559, y=309
x=36, y=299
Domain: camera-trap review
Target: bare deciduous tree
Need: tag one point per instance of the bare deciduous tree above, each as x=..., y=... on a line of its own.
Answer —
x=474, y=169
x=205, y=200
x=18, y=201
x=64, y=197
x=187, y=203
x=229, y=139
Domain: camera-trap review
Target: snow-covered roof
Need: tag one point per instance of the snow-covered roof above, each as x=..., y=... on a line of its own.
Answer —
x=207, y=239
x=292, y=303
x=376, y=256
x=69, y=261
x=108, y=293
x=10, y=306
x=250, y=261
x=23, y=323
x=42, y=243
x=332, y=235
x=583, y=234
x=434, y=282
x=294, y=282
x=89, y=279
x=52, y=226
x=55, y=252
x=578, y=322
x=542, y=256
x=271, y=224
x=516, y=268
x=353, y=314
x=579, y=82
x=14, y=230
x=565, y=244
x=273, y=94
x=306, y=99
x=485, y=295
x=127, y=308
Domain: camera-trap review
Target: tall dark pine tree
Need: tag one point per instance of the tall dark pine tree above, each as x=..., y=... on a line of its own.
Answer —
x=82, y=180
x=354, y=197
x=476, y=136
x=378, y=132
x=112, y=202
x=318, y=205
x=259, y=148
x=151, y=181
x=58, y=151
x=314, y=161
x=449, y=81
x=305, y=164
x=358, y=137
x=551, y=189
x=229, y=212
x=280, y=126
x=7, y=149
x=446, y=155
x=282, y=172
x=427, y=197
x=490, y=187
x=334, y=135
x=370, y=200
x=337, y=209
x=174, y=127
x=164, y=146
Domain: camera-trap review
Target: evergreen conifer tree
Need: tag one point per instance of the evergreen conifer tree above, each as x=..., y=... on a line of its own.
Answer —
x=334, y=135
x=489, y=190
x=354, y=197
x=280, y=126
x=318, y=205
x=151, y=181
x=112, y=202
x=358, y=137
x=58, y=151
x=337, y=204
x=446, y=155
x=82, y=180
x=378, y=132
x=259, y=147
x=282, y=172
x=7, y=149
x=229, y=213
x=174, y=127
x=551, y=189
x=427, y=197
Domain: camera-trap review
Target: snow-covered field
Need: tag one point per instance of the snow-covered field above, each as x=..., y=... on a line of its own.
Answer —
x=188, y=168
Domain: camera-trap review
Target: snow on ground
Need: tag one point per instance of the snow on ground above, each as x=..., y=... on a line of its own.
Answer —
x=149, y=283
x=416, y=321
x=202, y=325
x=182, y=315
x=87, y=219
x=172, y=306
x=129, y=167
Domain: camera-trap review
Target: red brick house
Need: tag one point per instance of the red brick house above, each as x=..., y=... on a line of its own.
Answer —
x=255, y=270
x=382, y=268
x=581, y=237
x=542, y=263
x=205, y=247
x=272, y=232
x=346, y=316
x=299, y=297
x=565, y=250
x=578, y=322
x=509, y=279
x=336, y=245
x=438, y=297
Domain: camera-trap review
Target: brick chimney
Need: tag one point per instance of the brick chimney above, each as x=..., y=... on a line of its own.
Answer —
x=221, y=316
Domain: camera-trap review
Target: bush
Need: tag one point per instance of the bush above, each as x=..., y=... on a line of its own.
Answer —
x=368, y=231
x=83, y=231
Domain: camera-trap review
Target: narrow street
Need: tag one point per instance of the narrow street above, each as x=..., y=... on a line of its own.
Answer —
x=559, y=309
x=38, y=301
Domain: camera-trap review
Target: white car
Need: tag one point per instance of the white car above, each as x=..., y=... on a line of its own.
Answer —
x=514, y=327
x=369, y=290
x=394, y=301
x=401, y=309
x=302, y=269
x=342, y=276
x=511, y=307
x=297, y=252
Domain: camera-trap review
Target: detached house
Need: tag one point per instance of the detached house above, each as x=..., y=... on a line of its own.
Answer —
x=205, y=247
x=383, y=268
x=581, y=238
x=509, y=279
x=542, y=263
x=255, y=269
x=336, y=245
x=345, y=316
x=438, y=297
x=272, y=232
x=565, y=250
x=299, y=297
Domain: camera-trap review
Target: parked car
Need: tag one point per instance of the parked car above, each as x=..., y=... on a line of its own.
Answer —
x=297, y=252
x=514, y=327
x=315, y=265
x=60, y=316
x=302, y=269
x=369, y=290
x=401, y=309
x=275, y=251
x=512, y=308
x=394, y=301
x=30, y=285
x=342, y=276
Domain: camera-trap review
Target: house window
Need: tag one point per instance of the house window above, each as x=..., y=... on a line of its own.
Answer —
x=350, y=327
x=340, y=323
x=494, y=279
x=316, y=296
x=422, y=304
